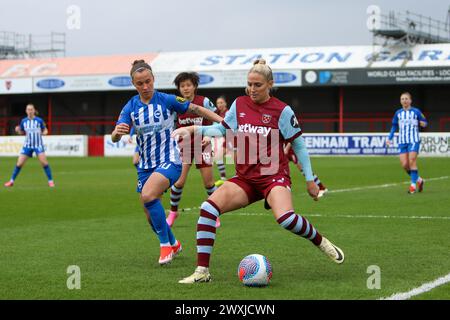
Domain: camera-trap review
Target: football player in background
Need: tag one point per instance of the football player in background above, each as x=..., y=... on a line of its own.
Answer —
x=408, y=120
x=187, y=84
x=221, y=145
x=33, y=128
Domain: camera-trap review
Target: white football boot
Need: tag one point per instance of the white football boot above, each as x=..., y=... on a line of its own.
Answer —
x=201, y=274
x=333, y=252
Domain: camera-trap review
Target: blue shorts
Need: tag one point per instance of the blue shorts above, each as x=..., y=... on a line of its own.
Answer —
x=29, y=151
x=169, y=170
x=409, y=147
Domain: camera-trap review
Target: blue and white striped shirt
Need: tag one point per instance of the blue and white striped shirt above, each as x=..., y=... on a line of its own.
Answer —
x=33, y=132
x=154, y=124
x=407, y=121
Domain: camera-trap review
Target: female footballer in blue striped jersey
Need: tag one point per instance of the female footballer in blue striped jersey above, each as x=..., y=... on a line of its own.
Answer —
x=152, y=113
x=408, y=121
x=33, y=128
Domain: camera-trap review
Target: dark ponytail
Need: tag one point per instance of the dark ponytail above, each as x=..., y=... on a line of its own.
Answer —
x=139, y=66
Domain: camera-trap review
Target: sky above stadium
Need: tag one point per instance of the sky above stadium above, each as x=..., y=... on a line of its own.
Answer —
x=103, y=27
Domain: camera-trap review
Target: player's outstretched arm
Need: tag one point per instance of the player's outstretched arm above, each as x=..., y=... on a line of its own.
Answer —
x=214, y=130
x=183, y=132
x=205, y=113
x=301, y=152
x=391, y=134
x=19, y=130
x=120, y=130
x=423, y=122
x=287, y=148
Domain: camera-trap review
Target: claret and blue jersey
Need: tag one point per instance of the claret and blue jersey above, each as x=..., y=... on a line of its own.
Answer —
x=273, y=119
x=407, y=122
x=154, y=124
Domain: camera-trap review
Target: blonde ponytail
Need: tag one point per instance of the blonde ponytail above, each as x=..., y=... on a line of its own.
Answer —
x=260, y=66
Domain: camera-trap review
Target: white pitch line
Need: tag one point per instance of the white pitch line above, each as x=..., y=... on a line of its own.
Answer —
x=422, y=289
x=378, y=217
x=349, y=216
x=387, y=185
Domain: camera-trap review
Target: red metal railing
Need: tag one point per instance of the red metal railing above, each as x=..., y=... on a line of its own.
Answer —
x=442, y=123
x=94, y=124
x=3, y=126
x=98, y=125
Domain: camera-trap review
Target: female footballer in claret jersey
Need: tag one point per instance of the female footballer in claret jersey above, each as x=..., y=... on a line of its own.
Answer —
x=408, y=120
x=222, y=146
x=152, y=113
x=33, y=128
x=187, y=85
x=262, y=170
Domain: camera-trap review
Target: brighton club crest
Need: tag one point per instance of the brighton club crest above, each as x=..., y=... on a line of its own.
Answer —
x=8, y=84
x=266, y=118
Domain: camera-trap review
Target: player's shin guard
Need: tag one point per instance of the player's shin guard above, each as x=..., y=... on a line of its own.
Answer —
x=175, y=197
x=158, y=218
x=206, y=232
x=300, y=226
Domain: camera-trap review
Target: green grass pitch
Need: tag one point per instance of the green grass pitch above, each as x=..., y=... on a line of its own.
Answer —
x=93, y=219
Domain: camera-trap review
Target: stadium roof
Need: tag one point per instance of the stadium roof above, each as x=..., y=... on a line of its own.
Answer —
x=217, y=68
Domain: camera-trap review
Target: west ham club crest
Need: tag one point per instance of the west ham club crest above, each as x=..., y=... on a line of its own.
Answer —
x=266, y=118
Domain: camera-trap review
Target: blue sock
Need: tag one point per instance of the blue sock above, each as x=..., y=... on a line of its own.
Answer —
x=414, y=176
x=15, y=173
x=172, y=239
x=159, y=223
x=48, y=172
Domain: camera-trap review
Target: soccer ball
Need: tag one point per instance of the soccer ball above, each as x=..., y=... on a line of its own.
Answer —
x=255, y=271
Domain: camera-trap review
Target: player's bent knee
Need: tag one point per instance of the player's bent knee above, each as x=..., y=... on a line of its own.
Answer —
x=148, y=196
